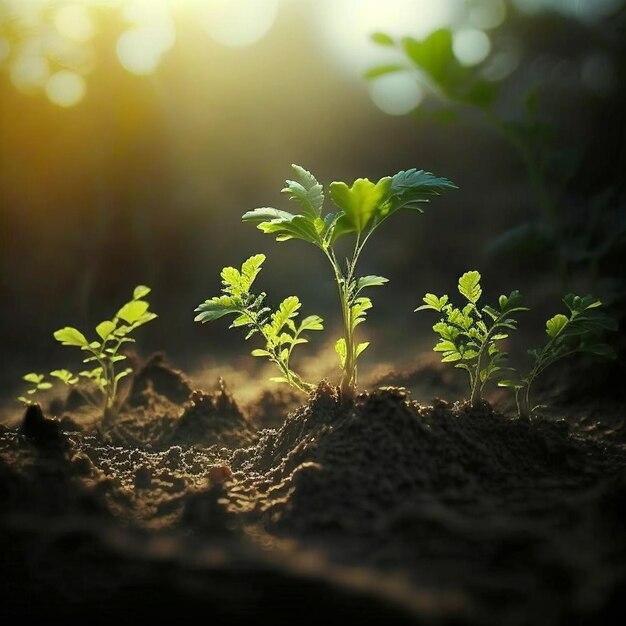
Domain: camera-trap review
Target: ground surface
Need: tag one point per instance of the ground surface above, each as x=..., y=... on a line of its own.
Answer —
x=384, y=510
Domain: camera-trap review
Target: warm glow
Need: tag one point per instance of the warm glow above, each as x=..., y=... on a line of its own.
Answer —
x=74, y=22
x=238, y=22
x=396, y=94
x=65, y=88
x=347, y=25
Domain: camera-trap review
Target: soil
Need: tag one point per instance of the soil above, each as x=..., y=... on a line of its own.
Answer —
x=381, y=511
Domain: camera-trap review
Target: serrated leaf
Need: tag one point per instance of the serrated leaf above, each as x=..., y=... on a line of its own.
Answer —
x=69, y=336
x=215, y=308
x=556, y=324
x=287, y=310
x=370, y=281
x=104, y=329
x=250, y=270
x=411, y=188
x=469, y=286
x=306, y=191
x=311, y=322
x=359, y=203
x=140, y=291
x=132, y=311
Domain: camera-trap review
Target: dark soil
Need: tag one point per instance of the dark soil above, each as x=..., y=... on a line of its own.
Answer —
x=384, y=511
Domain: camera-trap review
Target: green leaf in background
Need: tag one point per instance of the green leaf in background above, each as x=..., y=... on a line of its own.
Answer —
x=469, y=286
x=556, y=324
x=133, y=311
x=104, y=329
x=140, y=291
x=69, y=336
x=383, y=39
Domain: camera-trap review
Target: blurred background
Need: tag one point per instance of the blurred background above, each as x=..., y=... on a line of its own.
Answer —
x=134, y=134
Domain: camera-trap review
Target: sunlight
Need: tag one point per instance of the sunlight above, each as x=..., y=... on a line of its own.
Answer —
x=238, y=22
x=65, y=88
x=346, y=26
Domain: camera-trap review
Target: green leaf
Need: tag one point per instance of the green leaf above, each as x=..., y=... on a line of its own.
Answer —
x=288, y=309
x=340, y=349
x=306, y=191
x=556, y=324
x=132, y=311
x=140, y=291
x=311, y=322
x=412, y=188
x=65, y=376
x=44, y=385
x=383, y=70
x=69, y=336
x=431, y=301
x=511, y=384
x=216, y=307
x=382, y=39
x=122, y=374
x=370, y=281
x=359, y=203
x=362, y=347
x=258, y=352
x=32, y=377
x=250, y=270
x=104, y=329
x=433, y=55
x=279, y=379
x=469, y=286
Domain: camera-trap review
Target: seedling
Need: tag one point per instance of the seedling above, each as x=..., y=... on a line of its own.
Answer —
x=37, y=383
x=104, y=352
x=580, y=332
x=363, y=207
x=278, y=328
x=469, y=337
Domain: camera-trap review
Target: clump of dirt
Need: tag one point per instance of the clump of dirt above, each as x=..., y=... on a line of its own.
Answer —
x=383, y=507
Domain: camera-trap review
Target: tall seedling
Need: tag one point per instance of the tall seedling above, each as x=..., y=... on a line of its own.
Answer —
x=362, y=209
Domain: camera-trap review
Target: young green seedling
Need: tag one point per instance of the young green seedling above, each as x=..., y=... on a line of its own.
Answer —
x=37, y=383
x=580, y=332
x=469, y=336
x=278, y=329
x=104, y=352
x=363, y=207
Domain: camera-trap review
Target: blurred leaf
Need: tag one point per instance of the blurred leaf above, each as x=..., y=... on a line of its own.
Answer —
x=382, y=39
x=383, y=70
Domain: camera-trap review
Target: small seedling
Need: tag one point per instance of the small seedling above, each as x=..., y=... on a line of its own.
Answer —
x=469, y=337
x=37, y=383
x=278, y=328
x=104, y=352
x=580, y=332
x=363, y=207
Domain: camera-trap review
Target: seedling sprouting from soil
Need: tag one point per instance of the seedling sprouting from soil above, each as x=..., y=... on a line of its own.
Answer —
x=469, y=336
x=580, y=332
x=104, y=352
x=363, y=207
x=278, y=328
x=37, y=382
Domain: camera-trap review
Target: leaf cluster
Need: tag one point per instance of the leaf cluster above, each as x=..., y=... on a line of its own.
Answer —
x=469, y=336
x=277, y=328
